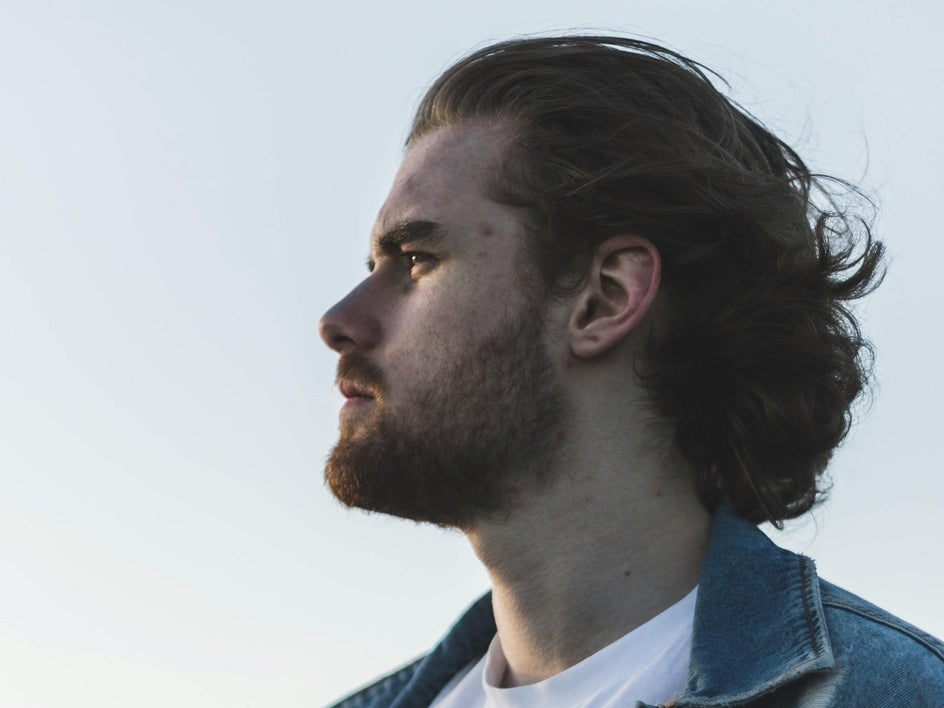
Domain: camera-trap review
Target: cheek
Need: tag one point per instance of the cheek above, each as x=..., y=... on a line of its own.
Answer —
x=427, y=340
x=428, y=336
x=443, y=319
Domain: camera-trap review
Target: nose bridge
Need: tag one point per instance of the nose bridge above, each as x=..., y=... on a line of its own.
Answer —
x=353, y=322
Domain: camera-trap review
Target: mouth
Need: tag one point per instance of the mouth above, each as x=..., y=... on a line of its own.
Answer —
x=352, y=390
x=360, y=382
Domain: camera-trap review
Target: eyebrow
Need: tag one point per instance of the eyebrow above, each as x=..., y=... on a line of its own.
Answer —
x=426, y=233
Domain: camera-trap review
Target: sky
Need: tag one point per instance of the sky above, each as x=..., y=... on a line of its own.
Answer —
x=185, y=187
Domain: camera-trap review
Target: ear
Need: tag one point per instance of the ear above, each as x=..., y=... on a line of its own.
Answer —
x=621, y=286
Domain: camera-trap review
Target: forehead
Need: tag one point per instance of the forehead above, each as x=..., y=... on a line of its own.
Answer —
x=444, y=177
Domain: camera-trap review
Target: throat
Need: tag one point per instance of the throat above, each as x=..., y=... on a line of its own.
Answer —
x=578, y=587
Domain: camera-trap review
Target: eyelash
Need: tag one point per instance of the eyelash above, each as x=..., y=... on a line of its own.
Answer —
x=412, y=259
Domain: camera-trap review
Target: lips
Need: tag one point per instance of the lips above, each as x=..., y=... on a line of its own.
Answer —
x=359, y=379
x=352, y=389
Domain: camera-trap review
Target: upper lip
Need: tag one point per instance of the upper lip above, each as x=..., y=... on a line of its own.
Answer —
x=352, y=389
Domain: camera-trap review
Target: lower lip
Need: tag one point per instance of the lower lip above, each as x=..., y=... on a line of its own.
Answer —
x=356, y=402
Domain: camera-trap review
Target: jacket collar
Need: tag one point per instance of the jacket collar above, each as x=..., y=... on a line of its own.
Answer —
x=759, y=620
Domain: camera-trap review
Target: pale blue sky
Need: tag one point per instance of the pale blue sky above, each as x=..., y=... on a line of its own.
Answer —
x=186, y=186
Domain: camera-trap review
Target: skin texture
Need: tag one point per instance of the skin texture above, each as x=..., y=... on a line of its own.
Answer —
x=442, y=352
x=590, y=525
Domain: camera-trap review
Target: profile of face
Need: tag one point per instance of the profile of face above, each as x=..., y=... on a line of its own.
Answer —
x=452, y=398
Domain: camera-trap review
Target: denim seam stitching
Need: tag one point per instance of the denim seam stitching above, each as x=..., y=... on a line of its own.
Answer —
x=811, y=623
x=918, y=637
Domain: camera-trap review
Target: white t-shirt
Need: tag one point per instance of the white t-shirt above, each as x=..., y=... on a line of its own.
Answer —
x=649, y=664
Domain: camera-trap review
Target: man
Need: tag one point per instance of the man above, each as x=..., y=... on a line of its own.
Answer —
x=605, y=333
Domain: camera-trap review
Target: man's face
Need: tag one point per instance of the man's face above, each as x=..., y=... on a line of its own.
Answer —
x=451, y=396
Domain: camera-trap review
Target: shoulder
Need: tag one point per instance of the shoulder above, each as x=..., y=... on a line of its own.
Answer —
x=877, y=652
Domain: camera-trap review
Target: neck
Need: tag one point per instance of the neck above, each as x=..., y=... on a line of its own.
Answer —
x=593, y=555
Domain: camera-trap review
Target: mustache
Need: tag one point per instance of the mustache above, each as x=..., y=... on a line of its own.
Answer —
x=359, y=371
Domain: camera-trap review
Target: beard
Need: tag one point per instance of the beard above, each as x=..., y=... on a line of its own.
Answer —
x=476, y=434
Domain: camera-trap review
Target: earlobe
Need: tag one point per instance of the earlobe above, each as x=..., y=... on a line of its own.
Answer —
x=621, y=286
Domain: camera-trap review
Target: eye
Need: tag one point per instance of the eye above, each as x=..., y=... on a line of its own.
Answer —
x=418, y=262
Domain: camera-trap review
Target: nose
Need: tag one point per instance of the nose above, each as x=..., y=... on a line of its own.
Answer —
x=350, y=325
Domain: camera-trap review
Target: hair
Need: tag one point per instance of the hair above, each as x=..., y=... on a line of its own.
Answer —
x=760, y=359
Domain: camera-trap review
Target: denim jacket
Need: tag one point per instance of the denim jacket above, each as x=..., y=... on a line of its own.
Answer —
x=767, y=633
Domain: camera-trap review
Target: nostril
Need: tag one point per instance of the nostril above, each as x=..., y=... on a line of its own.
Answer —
x=332, y=333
